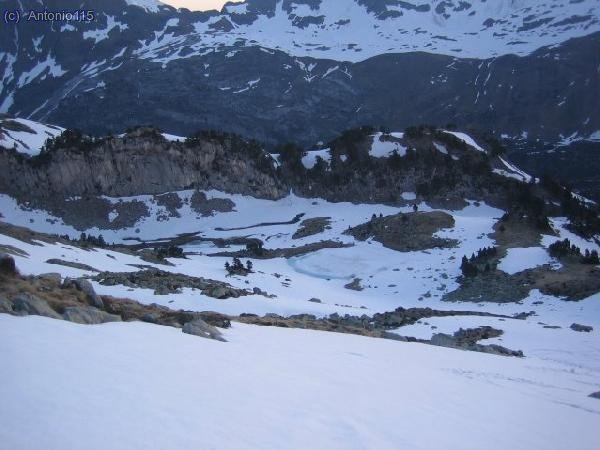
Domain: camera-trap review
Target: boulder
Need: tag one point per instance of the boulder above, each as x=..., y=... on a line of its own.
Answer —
x=53, y=277
x=259, y=291
x=595, y=395
x=315, y=300
x=6, y=306
x=215, y=319
x=200, y=328
x=354, y=285
x=86, y=287
x=496, y=350
x=581, y=328
x=151, y=317
x=222, y=292
x=88, y=315
x=28, y=304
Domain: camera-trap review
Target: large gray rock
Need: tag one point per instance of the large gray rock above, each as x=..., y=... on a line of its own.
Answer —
x=88, y=315
x=222, y=292
x=595, y=395
x=29, y=304
x=86, y=287
x=201, y=328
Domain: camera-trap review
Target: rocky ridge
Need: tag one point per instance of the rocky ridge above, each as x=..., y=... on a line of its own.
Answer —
x=75, y=300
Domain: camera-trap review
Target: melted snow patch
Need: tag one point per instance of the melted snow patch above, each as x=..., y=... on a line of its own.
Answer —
x=513, y=172
x=101, y=34
x=466, y=139
x=310, y=160
x=383, y=148
x=173, y=138
x=42, y=69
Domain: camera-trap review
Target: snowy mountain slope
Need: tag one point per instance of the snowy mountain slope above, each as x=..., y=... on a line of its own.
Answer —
x=120, y=69
x=390, y=279
x=351, y=392
x=275, y=98
x=368, y=260
x=26, y=136
x=353, y=30
x=395, y=388
x=215, y=223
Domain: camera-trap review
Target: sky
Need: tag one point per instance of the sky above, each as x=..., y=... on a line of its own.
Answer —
x=196, y=5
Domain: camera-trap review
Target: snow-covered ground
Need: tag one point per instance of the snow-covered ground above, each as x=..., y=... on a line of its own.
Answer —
x=390, y=278
x=139, y=386
x=354, y=31
x=154, y=387
x=31, y=139
x=310, y=159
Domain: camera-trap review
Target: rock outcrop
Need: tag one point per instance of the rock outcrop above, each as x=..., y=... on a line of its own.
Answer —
x=310, y=227
x=71, y=299
x=86, y=287
x=581, y=328
x=406, y=232
x=111, y=167
x=24, y=304
x=76, y=301
x=88, y=315
x=165, y=283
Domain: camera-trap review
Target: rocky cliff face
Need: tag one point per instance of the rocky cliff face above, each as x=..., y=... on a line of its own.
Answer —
x=80, y=169
x=140, y=164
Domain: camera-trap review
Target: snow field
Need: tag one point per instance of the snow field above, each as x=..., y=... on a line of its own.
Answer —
x=152, y=387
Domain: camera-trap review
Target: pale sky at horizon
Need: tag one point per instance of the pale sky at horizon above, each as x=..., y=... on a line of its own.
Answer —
x=197, y=5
